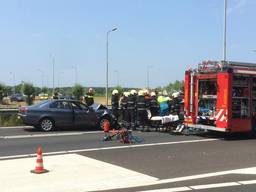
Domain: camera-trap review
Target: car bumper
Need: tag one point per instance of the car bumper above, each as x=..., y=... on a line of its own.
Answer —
x=27, y=120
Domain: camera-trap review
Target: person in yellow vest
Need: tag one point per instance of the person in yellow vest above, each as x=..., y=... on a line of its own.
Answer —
x=89, y=97
x=163, y=100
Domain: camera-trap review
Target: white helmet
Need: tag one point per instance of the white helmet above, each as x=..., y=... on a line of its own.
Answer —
x=145, y=91
x=126, y=94
x=133, y=92
x=153, y=94
x=175, y=94
x=165, y=93
x=114, y=92
x=141, y=93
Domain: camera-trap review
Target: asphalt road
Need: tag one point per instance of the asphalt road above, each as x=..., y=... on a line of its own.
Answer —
x=209, y=160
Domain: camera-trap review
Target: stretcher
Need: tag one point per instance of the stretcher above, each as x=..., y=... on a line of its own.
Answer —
x=167, y=123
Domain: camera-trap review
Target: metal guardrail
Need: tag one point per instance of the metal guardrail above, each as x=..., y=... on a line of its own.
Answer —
x=7, y=112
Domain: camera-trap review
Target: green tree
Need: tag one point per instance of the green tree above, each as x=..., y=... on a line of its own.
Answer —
x=18, y=88
x=44, y=89
x=78, y=91
x=2, y=90
x=176, y=86
x=29, y=91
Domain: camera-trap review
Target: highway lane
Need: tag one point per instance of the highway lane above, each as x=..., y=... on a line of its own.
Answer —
x=202, y=159
x=25, y=141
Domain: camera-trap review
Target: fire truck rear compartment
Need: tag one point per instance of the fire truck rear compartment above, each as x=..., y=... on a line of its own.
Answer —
x=221, y=96
x=207, y=94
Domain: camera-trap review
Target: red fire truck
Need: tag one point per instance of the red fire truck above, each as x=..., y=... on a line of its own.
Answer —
x=221, y=96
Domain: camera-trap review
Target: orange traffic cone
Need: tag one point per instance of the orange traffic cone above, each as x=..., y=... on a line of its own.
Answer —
x=39, y=163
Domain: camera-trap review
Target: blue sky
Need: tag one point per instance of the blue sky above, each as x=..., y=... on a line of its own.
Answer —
x=168, y=35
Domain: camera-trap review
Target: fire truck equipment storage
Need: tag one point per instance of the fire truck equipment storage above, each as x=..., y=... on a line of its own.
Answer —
x=221, y=96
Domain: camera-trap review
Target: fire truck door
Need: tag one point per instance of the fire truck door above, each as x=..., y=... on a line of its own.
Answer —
x=223, y=100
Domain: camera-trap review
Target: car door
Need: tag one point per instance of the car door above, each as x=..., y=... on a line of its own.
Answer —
x=83, y=116
x=62, y=113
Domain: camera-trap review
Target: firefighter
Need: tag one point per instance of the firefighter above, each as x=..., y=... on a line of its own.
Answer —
x=141, y=109
x=123, y=103
x=147, y=98
x=154, y=107
x=115, y=103
x=176, y=103
x=56, y=94
x=89, y=100
x=131, y=106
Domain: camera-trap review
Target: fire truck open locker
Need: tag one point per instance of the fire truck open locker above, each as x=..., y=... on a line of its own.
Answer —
x=221, y=96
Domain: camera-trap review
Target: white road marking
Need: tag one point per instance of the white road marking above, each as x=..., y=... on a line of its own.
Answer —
x=86, y=174
x=110, y=148
x=48, y=135
x=216, y=185
x=70, y=172
x=247, y=182
x=207, y=186
x=177, y=189
x=17, y=127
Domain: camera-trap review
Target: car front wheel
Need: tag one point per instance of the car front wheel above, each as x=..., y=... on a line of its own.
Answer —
x=46, y=124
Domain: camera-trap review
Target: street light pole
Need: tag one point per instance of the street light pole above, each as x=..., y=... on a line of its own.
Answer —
x=114, y=29
x=225, y=33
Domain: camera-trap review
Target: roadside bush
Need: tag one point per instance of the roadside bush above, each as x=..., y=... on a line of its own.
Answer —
x=6, y=101
x=10, y=120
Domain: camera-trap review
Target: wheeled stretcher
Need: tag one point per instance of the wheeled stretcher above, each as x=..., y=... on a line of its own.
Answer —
x=167, y=123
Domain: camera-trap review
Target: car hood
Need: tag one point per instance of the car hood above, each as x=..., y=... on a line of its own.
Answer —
x=98, y=107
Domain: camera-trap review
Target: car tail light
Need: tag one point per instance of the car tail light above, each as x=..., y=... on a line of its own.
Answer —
x=23, y=109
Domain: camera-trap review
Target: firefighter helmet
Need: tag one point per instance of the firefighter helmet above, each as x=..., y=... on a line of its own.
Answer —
x=114, y=92
x=133, y=92
x=141, y=93
x=153, y=94
x=175, y=94
x=165, y=93
x=126, y=94
x=145, y=92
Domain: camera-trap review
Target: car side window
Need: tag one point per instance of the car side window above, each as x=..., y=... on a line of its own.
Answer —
x=80, y=106
x=75, y=106
x=60, y=105
x=83, y=106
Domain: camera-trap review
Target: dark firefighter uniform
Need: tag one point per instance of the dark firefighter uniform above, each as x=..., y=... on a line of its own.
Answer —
x=176, y=106
x=154, y=107
x=131, y=106
x=141, y=110
x=124, y=110
x=115, y=104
